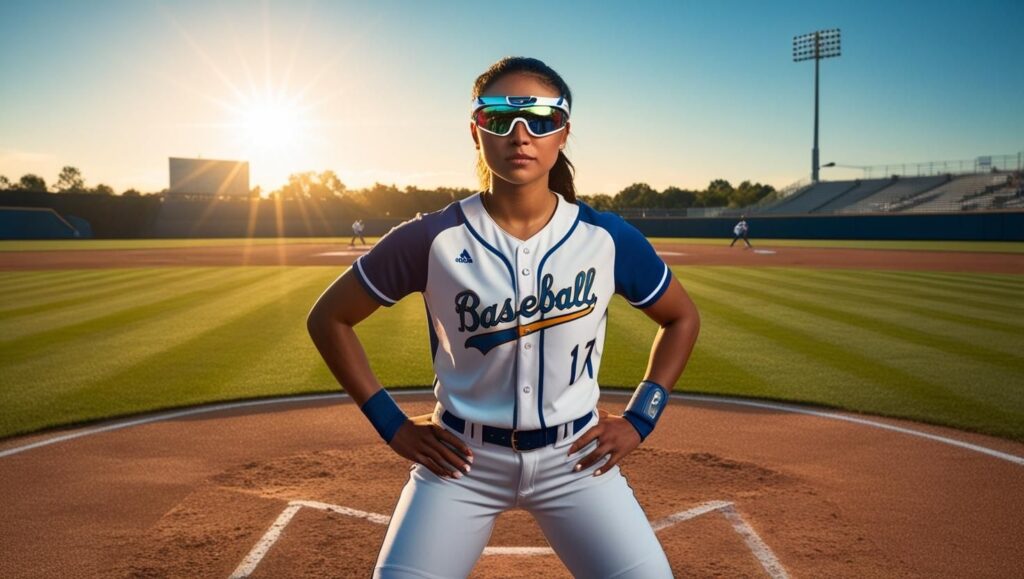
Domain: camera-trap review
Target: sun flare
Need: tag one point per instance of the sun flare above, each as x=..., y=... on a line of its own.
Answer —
x=271, y=125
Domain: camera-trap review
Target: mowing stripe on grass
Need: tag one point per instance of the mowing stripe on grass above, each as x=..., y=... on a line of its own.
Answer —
x=12, y=282
x=890, y=306
x=961, y=285
x=53, y=337
x=116, y=289
x=991, y=383
x=219, y=353
x=713, y=370
x=719, y=363
x=397, y=343
x=895, y=331
x=44, y=286
x=938, y=399
x=627, y=345
x=953, y=296
x=1009, y=290
x=789, y=374
x=45, y=386
x=46, y=283
x=84, y=283
x=22, y=326
x=912, y=296
x=957, y=282
x=1013, y=280
x=880, y=302
x=112, y=345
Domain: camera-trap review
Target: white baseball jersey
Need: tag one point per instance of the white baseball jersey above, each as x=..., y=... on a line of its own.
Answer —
x=740, y=228
x=516, y=326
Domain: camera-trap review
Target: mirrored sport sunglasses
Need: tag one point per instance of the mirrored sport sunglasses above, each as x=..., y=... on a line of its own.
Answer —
x=542, y=116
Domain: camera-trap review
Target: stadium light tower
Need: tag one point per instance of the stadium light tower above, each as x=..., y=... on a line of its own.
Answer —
x=816, y=46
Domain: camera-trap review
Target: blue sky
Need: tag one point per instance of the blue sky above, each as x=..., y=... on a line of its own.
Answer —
x=669, y=93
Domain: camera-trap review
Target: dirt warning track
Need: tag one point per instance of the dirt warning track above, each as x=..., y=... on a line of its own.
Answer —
x=819, y=494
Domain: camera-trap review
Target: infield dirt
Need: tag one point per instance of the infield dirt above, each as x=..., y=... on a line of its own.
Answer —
x=191, y=497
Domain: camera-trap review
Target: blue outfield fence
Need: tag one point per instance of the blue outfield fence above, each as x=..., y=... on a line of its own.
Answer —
x=990, y=226
x=40, y=223
x=46, y=215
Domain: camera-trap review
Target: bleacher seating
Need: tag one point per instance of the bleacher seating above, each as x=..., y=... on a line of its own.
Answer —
x=1000, y=198
x=948, y=197
x=810, y=198
x=864, y=189
x=902, y=188
x=980, y=191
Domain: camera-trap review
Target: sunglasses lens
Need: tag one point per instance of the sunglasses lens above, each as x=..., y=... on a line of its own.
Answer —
x=540, y=120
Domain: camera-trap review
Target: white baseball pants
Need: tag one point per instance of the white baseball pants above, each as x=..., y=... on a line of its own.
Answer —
x=594, y=524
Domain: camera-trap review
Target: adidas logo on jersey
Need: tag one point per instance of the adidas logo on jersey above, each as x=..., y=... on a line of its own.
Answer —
x=464, y=257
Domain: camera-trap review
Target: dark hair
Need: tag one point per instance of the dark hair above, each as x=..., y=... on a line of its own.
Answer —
x=560, y=179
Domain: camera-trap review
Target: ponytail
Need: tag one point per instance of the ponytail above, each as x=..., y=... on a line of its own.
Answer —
x=560, y=179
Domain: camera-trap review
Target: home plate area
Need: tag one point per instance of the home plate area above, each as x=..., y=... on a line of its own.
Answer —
x=764, y=555
x=324, y=513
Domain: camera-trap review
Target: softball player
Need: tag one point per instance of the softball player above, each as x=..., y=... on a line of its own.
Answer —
x=357, y=231
x=741, y=231
x=516, y=281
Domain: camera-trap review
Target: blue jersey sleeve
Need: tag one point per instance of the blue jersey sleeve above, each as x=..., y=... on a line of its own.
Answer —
x=397, y=265
x=640, y=274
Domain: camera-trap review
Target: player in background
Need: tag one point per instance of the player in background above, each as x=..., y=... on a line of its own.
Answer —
x=357, y=231
x=741, y=231
x=516, y=281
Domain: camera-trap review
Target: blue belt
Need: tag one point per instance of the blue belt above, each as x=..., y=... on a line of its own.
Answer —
x=518, y=440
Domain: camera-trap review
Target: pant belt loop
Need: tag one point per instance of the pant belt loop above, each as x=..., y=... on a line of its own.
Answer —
x=476, y=433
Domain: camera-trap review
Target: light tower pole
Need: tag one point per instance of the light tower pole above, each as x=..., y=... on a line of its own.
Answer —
x=816, y=46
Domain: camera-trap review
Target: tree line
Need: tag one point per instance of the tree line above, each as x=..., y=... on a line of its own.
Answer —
x=383, y=201
x=69, y=180
x=719, y=193
x=392, y=200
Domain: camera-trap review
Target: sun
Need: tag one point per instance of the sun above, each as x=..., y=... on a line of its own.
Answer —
x=270, y=124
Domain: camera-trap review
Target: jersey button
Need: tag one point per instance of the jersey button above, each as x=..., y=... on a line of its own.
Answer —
x=528, y=345
x=526, y=390
x=526, y=271
x=526, y=250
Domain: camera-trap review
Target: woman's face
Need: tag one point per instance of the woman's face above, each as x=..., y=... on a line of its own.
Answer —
x=520, y=158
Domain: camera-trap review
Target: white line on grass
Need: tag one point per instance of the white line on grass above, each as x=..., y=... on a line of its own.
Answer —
x=831, y=415
x=416, y=391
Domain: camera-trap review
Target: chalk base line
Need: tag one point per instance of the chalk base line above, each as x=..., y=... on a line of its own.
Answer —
x=764, y=555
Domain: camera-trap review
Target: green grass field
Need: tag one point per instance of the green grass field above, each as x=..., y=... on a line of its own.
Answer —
x=81, y=345
x=65, y=244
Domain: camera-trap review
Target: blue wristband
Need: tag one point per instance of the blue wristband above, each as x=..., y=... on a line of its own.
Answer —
x=384, y=414
x=645, y=408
